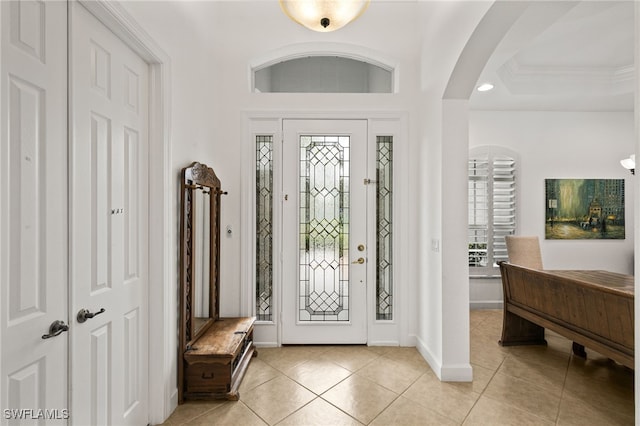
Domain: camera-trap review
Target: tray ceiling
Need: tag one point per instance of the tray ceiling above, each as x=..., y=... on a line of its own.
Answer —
x=564, y=56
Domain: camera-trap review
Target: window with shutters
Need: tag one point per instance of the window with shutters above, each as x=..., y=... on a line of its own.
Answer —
x=492, y=207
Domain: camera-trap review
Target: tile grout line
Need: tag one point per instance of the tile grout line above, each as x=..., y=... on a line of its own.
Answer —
x=317, y=396
x=483, y=390
x=270, y=380
x=353, y=373
x=399, y=395
x=564, y=384
x=191, y=419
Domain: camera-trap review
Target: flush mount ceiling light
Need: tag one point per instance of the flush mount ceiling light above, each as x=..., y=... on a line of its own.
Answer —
x=485, y=87
x=323, y=15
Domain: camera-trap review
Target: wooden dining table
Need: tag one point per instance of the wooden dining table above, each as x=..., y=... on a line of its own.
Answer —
x=594, y=308
x=603, y=280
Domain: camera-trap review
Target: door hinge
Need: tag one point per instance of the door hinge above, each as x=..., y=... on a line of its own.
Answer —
x=369, y=181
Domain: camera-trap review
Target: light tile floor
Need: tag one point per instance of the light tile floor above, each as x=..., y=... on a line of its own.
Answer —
x=355, y=385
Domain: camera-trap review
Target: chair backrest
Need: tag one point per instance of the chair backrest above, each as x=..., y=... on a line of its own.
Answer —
x=524, y=251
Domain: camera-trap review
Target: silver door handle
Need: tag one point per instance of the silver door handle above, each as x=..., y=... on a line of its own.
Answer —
x=56, y=328
x=85, y=314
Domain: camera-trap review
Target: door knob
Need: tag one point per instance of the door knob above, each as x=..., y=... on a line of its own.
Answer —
x=360, y=261
x=55, y=329
x=85, y=314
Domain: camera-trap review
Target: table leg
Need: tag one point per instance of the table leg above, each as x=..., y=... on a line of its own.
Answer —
x=578, y=350
x=519, y=331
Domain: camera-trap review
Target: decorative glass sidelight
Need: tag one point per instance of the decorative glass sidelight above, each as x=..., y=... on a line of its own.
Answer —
x=264, y=228
x=324, y=228
x=384, y=225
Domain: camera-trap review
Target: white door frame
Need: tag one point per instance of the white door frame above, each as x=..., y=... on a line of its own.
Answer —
x=400, y=330
x=162, y=299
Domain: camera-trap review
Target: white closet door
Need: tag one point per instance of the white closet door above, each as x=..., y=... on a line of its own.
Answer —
x=109, y=219
x=33, y=211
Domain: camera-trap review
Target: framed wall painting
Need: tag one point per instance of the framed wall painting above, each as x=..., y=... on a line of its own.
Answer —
x=584, y=209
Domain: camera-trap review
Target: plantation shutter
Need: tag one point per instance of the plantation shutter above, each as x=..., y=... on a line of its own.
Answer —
x=504, y=205
x=478, y=212
x=492, y=209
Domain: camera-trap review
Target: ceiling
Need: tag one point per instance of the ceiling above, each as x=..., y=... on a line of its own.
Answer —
x=575, y=56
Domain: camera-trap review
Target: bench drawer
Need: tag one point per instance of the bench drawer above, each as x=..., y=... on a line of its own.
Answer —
x=205, y=377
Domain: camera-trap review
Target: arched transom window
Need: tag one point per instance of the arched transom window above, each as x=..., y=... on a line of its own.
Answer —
x=323, y=74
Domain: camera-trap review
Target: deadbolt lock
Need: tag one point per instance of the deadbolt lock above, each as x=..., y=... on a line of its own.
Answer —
x=361, y=247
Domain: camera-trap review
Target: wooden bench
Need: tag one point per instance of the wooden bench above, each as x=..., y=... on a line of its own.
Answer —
x=215, y=365
x=595, y=309
x=214, y=352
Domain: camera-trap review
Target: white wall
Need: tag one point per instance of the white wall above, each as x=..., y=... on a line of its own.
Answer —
x=190, y=133
x=554, y=144
x=439, y=338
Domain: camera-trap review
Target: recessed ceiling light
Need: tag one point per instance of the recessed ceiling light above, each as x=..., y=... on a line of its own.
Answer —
x=485, y=87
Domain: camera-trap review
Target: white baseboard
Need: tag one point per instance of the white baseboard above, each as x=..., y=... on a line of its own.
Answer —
x=486, y=304
x=428, y=356
x=456, y=373
x=173, y=402
x=445, y=373
x=383, y=343
x=265, y=344
x=373, y=343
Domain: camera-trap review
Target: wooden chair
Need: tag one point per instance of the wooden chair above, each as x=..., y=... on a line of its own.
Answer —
x=524, y=251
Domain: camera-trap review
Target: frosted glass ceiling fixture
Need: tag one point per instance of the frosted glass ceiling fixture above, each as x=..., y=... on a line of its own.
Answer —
x=324, y=15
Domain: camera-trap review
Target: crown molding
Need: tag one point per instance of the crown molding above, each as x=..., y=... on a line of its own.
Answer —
x=535, y=80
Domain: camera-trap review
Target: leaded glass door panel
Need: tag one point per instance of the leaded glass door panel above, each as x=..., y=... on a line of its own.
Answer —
x=324, y=231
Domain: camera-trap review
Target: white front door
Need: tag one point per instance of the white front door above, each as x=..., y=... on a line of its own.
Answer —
x=324, y=231
x=109, y=220
x=33, y=211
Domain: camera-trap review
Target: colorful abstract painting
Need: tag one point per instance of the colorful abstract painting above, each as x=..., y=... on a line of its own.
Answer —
x=579, y=209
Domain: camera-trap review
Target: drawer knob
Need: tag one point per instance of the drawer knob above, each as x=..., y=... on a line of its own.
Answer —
x=207, y=376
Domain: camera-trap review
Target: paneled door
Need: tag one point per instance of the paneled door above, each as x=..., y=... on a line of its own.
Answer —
x=109, y=219
x=324, y=231
x=33, y=212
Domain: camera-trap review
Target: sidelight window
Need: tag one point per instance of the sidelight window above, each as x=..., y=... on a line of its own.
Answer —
x=384, y=228
x=264, y=228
